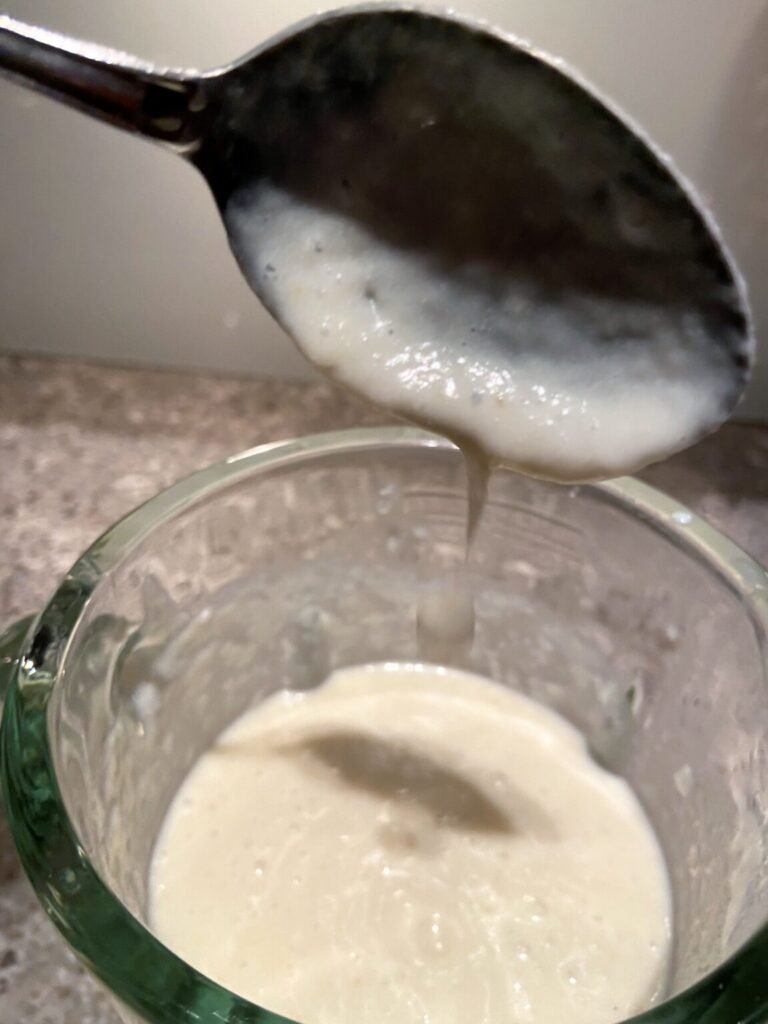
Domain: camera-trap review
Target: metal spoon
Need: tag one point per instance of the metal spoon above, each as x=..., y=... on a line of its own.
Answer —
x=440, y=136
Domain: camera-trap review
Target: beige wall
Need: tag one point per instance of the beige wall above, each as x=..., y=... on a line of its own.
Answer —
x=111, y=248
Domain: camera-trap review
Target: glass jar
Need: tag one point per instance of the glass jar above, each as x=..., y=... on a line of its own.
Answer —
x=610, y=603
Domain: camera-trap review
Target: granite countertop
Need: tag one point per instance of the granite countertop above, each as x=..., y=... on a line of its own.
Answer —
x=80, y=445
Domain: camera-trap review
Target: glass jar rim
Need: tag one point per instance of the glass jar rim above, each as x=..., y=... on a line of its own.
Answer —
x=127, y=958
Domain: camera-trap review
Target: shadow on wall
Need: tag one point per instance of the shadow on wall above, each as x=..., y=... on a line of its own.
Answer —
x=738, y=155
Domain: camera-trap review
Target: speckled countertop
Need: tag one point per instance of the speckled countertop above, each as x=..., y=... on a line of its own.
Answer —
x=80, y=445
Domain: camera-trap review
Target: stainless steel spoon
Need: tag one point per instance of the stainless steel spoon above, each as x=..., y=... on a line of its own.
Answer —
x=439, y=135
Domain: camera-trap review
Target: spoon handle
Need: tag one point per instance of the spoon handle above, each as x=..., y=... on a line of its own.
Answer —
x=109, y=85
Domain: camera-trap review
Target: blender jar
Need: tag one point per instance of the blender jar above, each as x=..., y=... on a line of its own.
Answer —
x=611, y=603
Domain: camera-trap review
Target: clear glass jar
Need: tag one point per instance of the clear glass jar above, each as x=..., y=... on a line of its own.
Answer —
x=612, y=604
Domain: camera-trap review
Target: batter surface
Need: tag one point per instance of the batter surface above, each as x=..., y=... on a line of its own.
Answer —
x=413, y=844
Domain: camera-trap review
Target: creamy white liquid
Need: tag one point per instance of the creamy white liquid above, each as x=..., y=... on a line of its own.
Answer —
x=412, y=844
x=564, y=385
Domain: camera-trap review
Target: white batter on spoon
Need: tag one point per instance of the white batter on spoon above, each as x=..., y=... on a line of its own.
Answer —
x=558, y=384
x=413, y=845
